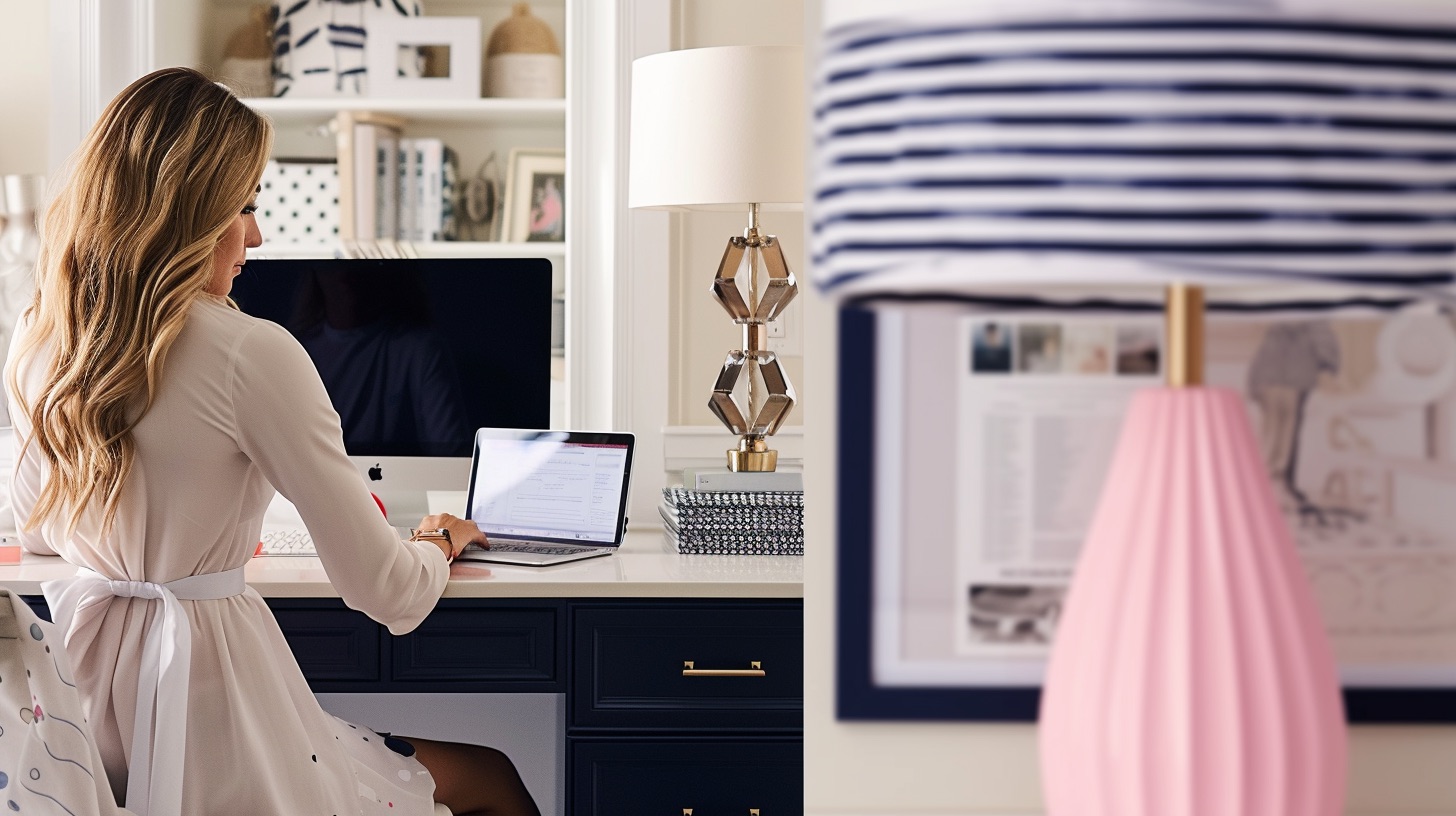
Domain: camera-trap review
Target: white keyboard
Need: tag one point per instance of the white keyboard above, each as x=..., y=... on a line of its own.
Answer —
x=287, y=542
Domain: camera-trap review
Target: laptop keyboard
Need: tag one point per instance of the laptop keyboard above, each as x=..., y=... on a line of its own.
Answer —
x=526, y=547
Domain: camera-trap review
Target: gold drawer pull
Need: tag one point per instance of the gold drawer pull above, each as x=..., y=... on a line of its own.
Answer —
x=755, y=670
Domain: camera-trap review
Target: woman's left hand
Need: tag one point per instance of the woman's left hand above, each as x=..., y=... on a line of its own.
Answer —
x=463, y=532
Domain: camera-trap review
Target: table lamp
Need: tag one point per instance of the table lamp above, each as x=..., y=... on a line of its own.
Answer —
x=1066, y=154
x=723, y=129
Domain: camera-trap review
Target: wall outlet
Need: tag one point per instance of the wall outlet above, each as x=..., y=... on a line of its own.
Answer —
x=784, y=335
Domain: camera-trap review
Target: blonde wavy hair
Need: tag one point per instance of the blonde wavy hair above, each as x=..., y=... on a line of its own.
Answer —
x=127, y=247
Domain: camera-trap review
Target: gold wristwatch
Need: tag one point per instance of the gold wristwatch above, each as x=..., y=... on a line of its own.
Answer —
x=437, y=534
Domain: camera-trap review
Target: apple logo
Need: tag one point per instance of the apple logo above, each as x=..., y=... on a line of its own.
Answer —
x=375, y=474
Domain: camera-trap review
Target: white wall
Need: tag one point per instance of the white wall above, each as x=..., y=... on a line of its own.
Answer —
x=24, y=86
x=951, y=769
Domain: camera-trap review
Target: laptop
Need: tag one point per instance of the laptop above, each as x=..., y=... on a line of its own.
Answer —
x=548, y=497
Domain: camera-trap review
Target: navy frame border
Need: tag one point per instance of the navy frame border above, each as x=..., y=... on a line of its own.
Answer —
x=857, y=697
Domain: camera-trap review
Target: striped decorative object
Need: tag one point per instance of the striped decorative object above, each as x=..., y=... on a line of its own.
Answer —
x=1105, y=143
x=318, y=45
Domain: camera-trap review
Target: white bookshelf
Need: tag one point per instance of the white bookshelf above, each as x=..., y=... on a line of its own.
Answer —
x=612, y=268
x=475, y=129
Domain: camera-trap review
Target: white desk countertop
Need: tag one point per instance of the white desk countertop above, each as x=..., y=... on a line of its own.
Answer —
x=646, y=567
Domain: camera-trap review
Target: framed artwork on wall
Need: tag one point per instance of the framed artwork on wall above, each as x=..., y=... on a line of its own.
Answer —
x=535, y=199
x=980, y=436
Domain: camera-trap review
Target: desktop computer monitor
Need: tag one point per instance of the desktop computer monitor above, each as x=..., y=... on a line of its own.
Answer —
x=415, y=355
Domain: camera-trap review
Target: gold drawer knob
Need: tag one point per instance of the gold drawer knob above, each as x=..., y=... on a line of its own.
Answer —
x=755, y=670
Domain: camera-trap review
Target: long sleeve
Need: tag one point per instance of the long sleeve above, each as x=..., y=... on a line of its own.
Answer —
x=287, y=427
x=28, y=477
x=25, y=485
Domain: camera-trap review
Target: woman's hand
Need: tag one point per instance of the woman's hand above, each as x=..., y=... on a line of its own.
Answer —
x=462, y=531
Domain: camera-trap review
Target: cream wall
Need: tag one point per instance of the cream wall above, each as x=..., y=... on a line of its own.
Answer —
x=702, y=332
x=952, y=769
x=24, y=86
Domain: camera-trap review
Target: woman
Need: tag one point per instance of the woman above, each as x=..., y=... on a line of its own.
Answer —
x=153, y=423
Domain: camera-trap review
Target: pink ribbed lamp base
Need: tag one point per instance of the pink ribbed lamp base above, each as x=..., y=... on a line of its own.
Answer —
x=1191, y=674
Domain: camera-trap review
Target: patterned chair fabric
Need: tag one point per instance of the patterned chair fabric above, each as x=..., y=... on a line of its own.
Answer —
x=49, y=762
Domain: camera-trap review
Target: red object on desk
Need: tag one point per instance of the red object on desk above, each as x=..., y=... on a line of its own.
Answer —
x=10, y=554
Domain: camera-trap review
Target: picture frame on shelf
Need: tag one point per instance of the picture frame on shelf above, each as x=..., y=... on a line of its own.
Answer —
x=424, y=58
x=535, y=199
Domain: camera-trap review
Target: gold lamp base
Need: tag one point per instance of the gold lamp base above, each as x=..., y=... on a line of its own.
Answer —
x=770, y=395
x=753, y=456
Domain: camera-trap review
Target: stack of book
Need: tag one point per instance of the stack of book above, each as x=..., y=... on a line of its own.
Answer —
x=735, y=514
x=392, y=188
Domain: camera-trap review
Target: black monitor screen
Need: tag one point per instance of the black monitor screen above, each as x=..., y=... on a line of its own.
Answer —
x=416, y=353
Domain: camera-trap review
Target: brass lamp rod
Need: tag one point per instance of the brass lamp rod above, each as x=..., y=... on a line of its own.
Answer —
x=1183, y=315
x=751, y=337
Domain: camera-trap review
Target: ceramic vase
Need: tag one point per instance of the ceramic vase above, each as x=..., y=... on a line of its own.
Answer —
x=1191, y=674
x=319, y=45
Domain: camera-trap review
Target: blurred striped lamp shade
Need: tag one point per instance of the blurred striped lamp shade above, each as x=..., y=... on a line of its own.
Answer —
x=1097, y=143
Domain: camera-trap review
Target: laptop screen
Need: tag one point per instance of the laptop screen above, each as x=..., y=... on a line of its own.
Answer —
x=554, y=485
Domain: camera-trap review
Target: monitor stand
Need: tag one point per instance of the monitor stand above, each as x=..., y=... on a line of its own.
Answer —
x=404, y=483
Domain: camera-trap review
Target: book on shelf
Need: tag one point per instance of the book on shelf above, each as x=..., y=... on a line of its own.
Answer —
x=410, y=227
x=392, y=188
x=358, y=135
x=733, y=522
x=386, y=187
x=366, y=181
x=431, y=153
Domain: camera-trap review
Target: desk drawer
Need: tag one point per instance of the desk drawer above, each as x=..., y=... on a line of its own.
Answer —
x=631, y=666
x=670, y=778
x=331, y=643
x=503, y=645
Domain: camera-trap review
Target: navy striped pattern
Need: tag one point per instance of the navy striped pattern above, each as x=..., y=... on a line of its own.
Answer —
x=1076, y=148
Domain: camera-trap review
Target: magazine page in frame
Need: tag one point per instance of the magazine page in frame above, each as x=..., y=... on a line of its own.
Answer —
x=980, y=498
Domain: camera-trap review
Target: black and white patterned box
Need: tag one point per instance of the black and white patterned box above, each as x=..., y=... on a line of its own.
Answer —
x=299, y=203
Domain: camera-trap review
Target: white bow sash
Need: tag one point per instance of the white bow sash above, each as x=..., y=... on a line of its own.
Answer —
x=159, y=743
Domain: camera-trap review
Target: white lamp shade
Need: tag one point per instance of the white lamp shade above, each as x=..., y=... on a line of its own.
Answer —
x=718, y=129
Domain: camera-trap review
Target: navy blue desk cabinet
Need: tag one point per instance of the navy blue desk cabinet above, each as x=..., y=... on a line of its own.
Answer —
x=645, y=733
x=668, y=713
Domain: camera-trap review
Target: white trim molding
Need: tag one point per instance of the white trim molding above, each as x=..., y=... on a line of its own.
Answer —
x=642, y=276
x=97, y=48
